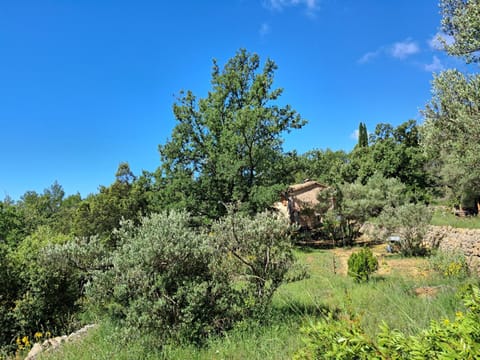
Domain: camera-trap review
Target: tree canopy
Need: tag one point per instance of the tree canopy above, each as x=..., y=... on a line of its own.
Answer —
x=451, y=132
x=461, y=21
x=225, y=146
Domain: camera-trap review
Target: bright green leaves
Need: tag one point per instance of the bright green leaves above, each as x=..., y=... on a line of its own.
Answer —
x=227, y=144
x=362, y=264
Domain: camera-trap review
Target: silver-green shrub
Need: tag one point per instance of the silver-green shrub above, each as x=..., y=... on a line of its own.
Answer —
x=162, y=280
x=410, y=222
x=168, y=279
x=257, y=254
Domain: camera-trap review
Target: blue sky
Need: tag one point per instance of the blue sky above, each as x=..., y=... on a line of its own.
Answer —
x=85, y=85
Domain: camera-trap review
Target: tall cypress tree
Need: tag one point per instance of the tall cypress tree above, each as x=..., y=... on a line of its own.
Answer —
x=362, y=135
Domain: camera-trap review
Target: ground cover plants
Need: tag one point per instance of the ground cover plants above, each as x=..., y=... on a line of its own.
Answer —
x=328, y=294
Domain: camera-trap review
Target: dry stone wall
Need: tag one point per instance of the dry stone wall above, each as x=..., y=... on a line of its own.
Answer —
x=448, y=238
x=56, y=342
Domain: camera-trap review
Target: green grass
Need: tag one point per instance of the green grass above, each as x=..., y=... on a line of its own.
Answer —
x=388, y=298
x=443, y=218
x=246, y=341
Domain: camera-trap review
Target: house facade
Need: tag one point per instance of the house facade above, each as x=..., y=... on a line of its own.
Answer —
x=299, y=203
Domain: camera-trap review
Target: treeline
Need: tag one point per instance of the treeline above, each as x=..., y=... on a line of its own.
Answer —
x=393, y=152
x=225, y=153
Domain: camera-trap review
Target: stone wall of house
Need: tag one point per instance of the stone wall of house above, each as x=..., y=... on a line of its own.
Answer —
x=448, y=238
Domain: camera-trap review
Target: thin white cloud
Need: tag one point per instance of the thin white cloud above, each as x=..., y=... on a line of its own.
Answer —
x=435, y=66
x=436, y=43
x=310, y=5
x=354, y=135
x=369, y=56
x=399, y=50
x=403, y=49
x=264, y=30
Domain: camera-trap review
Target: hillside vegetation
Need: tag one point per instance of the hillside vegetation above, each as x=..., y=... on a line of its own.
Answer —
x=189, y=261
x=405, y=293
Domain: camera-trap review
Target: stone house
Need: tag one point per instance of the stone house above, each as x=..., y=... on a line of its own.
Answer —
x=298, y=204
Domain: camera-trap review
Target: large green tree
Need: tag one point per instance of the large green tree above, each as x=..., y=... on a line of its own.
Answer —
x=225, y=146
x=461, y=21
x=101, y=213
x=394, y=152
x=452, y=133
x=322, y=165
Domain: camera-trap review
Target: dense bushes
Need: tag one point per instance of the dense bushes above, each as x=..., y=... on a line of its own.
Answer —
x=256, y=251
x=162, y=279
x=410, y=223
x=345, y=339
x=355, y=204
x=169, y=279
x=7, y=298
x=39, y=294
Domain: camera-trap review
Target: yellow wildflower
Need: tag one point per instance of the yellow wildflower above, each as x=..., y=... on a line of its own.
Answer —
x=25, y=341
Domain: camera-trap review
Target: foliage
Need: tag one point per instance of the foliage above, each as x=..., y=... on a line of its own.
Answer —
x=331, y=339
x=162, y=280
x=227, y=144
x=322, y=165
x=355, y=203
x=12, y=224
x=449, y=263
x=461, y=21
x=409, y=222
x=258, y=250
x=362, y=135
x=451, y=133
x=100, y=214
x=8, y=284
x=167, y=277
x=362, y=264
x=393, y=153
x=47, y=290
x=345, y=339
x=37, y=291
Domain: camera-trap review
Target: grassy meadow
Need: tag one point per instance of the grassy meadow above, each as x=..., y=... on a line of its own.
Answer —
x=404, y=293
x=447, y=218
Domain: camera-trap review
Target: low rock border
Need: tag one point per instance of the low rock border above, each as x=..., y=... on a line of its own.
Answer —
x=56, y=342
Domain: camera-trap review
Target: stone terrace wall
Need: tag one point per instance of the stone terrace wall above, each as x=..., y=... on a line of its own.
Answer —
x=448, y=238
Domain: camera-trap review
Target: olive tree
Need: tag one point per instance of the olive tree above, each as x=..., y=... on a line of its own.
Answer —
x=461, y=21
